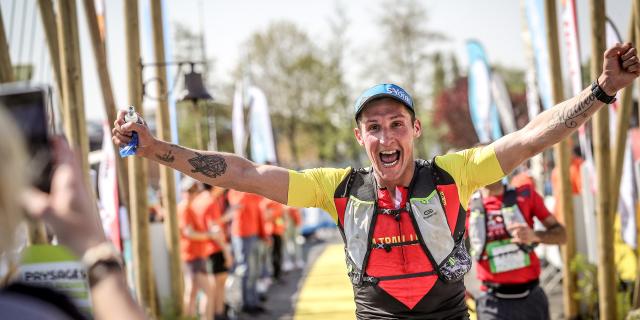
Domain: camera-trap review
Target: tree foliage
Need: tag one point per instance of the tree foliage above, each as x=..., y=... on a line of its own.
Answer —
x=306, y=91
x=403, y=57
x=404, y=49
x=451, y=115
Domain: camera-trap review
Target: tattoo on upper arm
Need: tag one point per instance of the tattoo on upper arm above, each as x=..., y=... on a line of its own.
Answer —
x=209, y=165
x=167, y=157
x=568, y=116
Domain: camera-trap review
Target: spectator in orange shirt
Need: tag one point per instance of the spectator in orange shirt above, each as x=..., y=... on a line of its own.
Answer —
x=209, y=205
x=195, y=247
x=246, y=229
x=274, y=211
x=574, y=176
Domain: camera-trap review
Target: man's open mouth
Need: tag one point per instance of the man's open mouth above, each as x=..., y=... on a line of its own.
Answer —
x=389, y=158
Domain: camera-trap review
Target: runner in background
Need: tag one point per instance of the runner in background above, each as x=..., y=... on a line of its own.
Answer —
x=502, y=241
x=195, y=247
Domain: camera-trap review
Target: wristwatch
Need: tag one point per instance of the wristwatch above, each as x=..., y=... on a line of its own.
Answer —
x=100, y=261
x=599, y=93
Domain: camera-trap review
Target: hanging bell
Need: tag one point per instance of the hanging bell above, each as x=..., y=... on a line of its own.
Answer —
x=194, y=88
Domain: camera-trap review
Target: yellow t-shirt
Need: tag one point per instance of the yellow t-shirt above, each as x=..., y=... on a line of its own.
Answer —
x=470, y=169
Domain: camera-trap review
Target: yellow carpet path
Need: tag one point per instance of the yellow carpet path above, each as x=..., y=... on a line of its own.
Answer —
x=327, y=292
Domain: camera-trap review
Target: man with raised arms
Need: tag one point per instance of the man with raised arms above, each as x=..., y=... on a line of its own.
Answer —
x=402, y=219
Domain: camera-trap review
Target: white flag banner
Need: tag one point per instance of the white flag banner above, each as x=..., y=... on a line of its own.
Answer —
x=572, y=47
x=262, y=145
x=237, y=121
x=503, y=103
x=627, y=203
x=586, y=225
x=108, y=190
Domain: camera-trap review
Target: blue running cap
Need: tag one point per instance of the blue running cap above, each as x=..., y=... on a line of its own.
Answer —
x=384, y=90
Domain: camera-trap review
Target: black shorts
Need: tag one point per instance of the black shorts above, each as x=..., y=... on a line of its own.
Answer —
x=198, y=265
x=535, y=306
x=217, y=262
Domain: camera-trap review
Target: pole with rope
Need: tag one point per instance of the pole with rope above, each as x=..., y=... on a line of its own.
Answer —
x=562, y=155
x=604, y=215
x=167, y=183
x=51, y=34
x=6, y=69
x=107, y=90
x=144, y=281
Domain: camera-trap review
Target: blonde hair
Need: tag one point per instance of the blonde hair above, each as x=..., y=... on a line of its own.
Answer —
x=13, y=179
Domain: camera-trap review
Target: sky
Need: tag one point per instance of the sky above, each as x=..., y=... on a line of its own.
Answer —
x=497, y=24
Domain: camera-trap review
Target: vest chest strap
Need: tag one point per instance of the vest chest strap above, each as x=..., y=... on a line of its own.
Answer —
x=374, y=280
x=388, y=246
x=393, y=212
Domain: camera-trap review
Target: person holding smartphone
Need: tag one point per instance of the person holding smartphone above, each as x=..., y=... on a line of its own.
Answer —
x=72, y=216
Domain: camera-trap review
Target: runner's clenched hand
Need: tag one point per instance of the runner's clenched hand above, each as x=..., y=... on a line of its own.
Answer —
x=521, y=233
x=122, y=132
x=619, y=68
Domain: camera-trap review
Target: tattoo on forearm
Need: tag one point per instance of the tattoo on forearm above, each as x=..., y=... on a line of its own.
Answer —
x=167, y=157
x=209, y=165
x=568, y=116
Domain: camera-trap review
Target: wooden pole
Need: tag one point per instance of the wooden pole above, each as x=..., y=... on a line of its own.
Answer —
x=636, y=23
x=51, y=34
x=562, y=155
x=137, y=170
x=99, y=52
x=197, y=116
x=72, y=91
x=606, y=268
x=6, y=69
x=167, y=182
x=623, y=118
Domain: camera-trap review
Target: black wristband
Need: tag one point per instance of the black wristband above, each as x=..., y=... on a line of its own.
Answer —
x=101, y=269
x=599, y=93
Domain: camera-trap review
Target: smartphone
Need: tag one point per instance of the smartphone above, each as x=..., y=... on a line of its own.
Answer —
x=27, y=105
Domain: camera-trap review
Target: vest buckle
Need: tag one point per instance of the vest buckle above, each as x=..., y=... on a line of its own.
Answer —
x=370, y=280
x=385, y=246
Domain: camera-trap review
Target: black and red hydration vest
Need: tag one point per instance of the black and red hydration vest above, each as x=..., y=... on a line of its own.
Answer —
x=416, y=274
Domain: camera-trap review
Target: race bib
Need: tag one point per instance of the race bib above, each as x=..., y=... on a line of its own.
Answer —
x=506, y=256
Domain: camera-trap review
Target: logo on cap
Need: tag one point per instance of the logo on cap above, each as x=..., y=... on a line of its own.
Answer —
x=400, y=93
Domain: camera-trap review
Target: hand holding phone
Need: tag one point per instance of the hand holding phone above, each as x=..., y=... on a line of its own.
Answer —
x=27, y=106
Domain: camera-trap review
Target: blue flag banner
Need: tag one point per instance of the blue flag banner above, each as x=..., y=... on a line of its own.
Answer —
x=483, y=111
x=535, y=20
